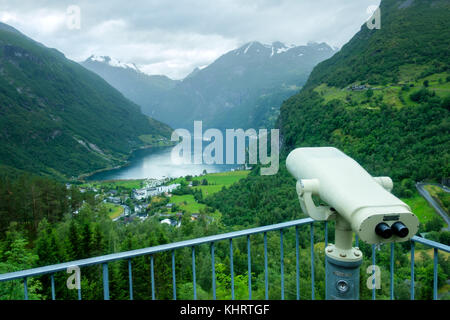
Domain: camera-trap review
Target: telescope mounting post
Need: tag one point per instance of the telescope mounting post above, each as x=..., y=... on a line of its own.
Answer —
x=342, y=259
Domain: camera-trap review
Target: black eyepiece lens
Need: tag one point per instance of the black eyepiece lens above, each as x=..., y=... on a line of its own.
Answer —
x=399, y=229
x=383, y=230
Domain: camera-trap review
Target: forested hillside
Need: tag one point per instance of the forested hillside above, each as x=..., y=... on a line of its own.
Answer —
x=391, y=115
x=383, y=100
x=59, y=119
x=397, y=121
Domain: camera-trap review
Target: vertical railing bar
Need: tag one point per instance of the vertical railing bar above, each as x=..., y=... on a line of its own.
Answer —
x=231, y=268
x=282, y=263
x=297, y=267
x=105, y=282
x=174, y=279
x=79, y=291
x=52, y=281
x=152, y=277
x=326, y=266
x=392, y=271
x=435, y=274
x=194, y=280
x=249, y=260
x=266, y=271
x=25, y=288
x=213, y=267
x=130, y=279
x=373, y=273
x=312, y=260
x=412, y=270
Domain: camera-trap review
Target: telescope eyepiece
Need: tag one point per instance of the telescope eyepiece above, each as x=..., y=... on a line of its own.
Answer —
x=383, y=230
x=399, y=229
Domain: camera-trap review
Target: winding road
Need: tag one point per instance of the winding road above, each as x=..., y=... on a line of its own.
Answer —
x=424, y=193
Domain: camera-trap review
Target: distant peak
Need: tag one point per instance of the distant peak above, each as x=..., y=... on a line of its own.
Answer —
x=255, y=46
x=113, y=62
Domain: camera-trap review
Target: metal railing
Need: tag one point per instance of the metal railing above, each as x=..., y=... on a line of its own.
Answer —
x=172, y=247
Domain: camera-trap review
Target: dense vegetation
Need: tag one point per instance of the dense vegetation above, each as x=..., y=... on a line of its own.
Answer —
x=401, y=129
x=412, y=32
x=59, y=119
x=61, y=224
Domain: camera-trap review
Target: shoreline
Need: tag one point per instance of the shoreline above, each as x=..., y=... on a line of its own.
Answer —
x=84, y=176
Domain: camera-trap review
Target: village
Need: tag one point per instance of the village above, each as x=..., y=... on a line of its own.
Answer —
x=167, y=199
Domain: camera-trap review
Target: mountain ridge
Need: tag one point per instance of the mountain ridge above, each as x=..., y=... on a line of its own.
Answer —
x=59, y=119
x=242, y=88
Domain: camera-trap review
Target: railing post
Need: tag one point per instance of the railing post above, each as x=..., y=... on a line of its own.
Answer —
x=174, y=277
x=213, y=268
x=152, y=277
x=25, y=288
x=266, y=271
x=193, y=273
x=282, y=263
x=105, y=282
x=392, y=271
x=249, y=261
x=232, y=269
x=312, y=260
x=297, y=267
x=373, y=273
x=412, y=270
x=52, y=280
x=326, y=264
x=435, y=274
x=130, y=279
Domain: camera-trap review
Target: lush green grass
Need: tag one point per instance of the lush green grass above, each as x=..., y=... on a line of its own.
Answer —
x=216, y=181
x=420, y=208
x=209, y=189
x=114, y=210
x=112, y=184
x=389, y=94
x=187, y=203
x=442, y=197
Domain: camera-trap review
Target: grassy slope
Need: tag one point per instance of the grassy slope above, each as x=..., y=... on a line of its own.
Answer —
x=421, y=208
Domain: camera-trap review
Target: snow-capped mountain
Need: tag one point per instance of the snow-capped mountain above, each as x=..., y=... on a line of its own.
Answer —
x=244, y=87
x=137, y=86
x=113, y=62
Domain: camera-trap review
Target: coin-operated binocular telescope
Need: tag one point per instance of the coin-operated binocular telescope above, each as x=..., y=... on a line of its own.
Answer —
x=357, y=202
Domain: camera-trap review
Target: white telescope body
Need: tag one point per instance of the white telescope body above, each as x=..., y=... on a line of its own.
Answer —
x=362, y=200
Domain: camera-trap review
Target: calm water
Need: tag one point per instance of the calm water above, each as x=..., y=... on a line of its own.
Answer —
x=156, y=163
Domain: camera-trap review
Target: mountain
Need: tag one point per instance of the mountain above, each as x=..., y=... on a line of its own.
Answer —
x=383, y=99
x=59, y=119
x=242, y=88
x=137, y=86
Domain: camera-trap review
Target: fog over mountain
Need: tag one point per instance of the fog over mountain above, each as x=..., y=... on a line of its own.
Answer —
x=242, y=88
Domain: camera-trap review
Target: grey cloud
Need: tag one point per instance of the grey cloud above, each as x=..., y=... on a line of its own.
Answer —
x=173, y=37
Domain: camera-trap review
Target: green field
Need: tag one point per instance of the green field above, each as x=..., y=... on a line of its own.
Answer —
x=391, y=93
x=187, y=202
x=216, y=181
x=420, y=208
x=114, y=210
x=112, y=184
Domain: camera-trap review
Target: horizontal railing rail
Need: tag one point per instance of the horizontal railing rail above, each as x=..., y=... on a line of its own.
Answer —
x=128, y=255
x=436, y=247
x=433, y=244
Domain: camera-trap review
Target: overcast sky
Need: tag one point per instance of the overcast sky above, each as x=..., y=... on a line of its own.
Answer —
x=172, y=37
